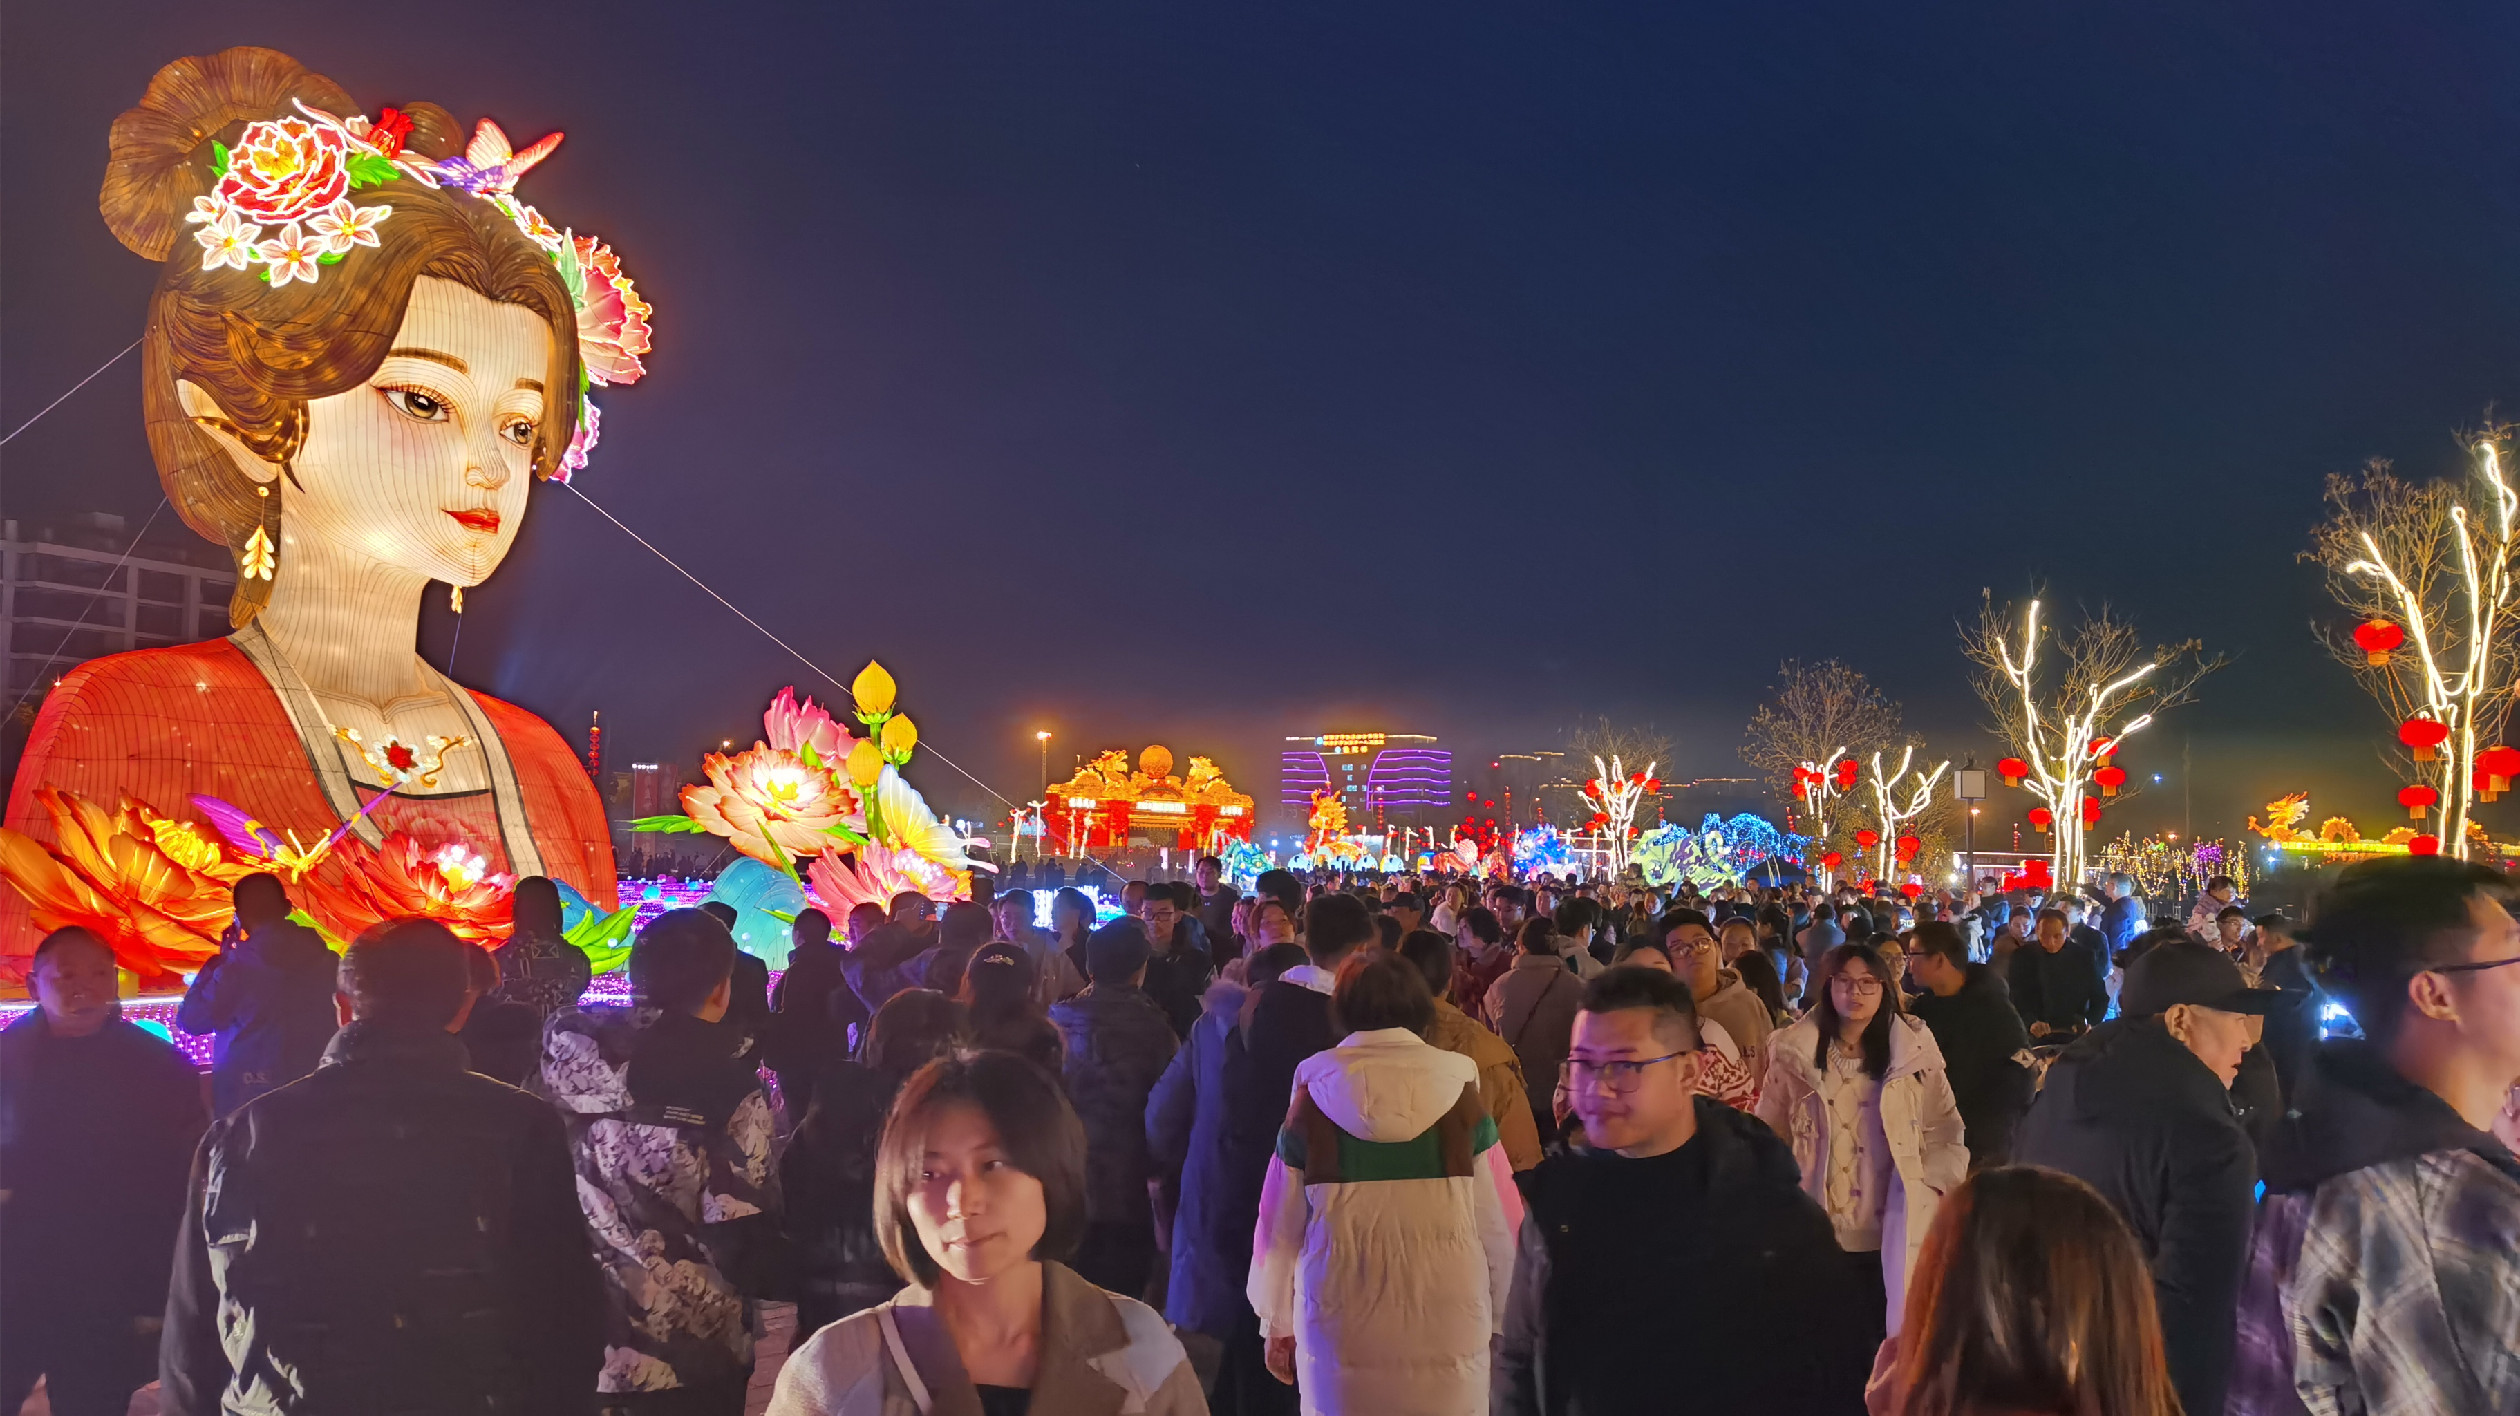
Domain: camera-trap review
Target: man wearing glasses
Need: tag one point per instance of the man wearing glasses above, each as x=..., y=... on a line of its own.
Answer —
x=2382, y=1274
x=1678, y=1265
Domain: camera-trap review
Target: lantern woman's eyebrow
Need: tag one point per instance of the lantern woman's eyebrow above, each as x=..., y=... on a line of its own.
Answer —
x=432, y=355
x=534, y=384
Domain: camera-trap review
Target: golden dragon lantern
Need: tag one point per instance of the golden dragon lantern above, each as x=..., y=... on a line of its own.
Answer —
x=1108, y=805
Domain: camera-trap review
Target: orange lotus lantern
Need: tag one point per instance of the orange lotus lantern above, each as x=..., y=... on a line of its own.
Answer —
x=2110, y=779
x=2425, y=736
x=2378, y=639
x=2418, y=800
x=2012, y=770
x=2041, y=817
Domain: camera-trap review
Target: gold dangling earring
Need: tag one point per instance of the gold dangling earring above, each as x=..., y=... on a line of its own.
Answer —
x=257, y=561
x=455, y=598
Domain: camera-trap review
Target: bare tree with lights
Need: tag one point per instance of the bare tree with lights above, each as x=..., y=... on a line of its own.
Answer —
x=2067, y=700
x=1604, y=740
x=2426, y=572
x=1818, y=717
x=1899, y=798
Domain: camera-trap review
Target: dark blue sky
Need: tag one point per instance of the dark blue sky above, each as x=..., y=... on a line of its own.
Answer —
x=1217, y=372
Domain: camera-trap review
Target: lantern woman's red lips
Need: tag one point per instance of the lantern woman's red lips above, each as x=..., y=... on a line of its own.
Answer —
x=484, y=520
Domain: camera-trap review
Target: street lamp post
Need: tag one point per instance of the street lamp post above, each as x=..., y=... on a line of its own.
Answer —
x=1043, y=737
x=1969, y=784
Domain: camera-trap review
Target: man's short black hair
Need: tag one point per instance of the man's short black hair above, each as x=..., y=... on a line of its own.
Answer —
x=811, y=926
x=680, y=959
x=65, y=939
x=1335, y=924
x=1433, y=955
x=2232, y=912
x=722, y=912
x=1941, y=939
x=1634, y=986
x=965, y=926
x=1673, y=920
x=1115, y=952
x=1207, y=860
x=1407, y=900
x=260, y=898
x=409, y=973
x=2386, y=921
x=1283, y=887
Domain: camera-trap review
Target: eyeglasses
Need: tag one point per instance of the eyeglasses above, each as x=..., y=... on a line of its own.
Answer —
x=2473, y=968
x=1860, y=987
x=1620, y=1077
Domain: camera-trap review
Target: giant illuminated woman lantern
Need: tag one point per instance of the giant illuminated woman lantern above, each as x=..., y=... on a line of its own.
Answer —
x=361, y=353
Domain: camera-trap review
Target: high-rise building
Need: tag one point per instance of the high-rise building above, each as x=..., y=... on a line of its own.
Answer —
x=1385, y=779
x=83, y=589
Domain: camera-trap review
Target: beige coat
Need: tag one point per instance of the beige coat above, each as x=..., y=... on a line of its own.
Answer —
x=1502, y=1085
x=1928, y=1152
x=1101, y=1355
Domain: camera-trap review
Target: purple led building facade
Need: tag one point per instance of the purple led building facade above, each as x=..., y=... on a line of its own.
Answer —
x=1382, y=777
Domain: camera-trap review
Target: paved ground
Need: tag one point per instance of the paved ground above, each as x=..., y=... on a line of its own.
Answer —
x=773, y=1351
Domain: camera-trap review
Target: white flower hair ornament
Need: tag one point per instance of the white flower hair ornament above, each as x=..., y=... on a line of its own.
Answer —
x=284, y=204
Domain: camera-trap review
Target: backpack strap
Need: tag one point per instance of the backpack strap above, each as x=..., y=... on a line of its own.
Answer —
x=901, y=1360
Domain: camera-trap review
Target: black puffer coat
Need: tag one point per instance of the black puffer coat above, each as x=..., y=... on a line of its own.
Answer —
x=393, y=1234
x=2133, y=1112
x=1981, y=1036
x=1118, y=1044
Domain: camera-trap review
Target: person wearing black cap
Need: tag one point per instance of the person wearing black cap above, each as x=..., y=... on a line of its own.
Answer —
x=2141, y=1109
x=2382, y=1277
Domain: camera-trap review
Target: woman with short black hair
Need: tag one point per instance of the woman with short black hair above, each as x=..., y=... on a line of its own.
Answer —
x=979, y=1193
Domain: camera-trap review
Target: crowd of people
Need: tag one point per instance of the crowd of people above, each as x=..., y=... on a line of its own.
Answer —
x=1340, y=1146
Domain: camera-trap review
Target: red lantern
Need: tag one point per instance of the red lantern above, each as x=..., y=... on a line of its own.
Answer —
x=1908, y=846
x=2041, y=817
x=2423, y=735
x=2424, y=845
x=2102, y=749
x=2012, y=770
x=1653, y=784
x=2500, y=765
x=2417, y=800
x=1868, y=838
x=2090, y=812
x=1831, y=861
x=1846, y=770
x=2110, y=779
x=2378, y=638
x=1911, y=889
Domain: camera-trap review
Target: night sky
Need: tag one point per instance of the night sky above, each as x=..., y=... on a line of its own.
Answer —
x=1208, y=373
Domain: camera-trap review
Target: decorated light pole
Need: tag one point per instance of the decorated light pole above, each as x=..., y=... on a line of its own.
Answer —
x=1613, y=795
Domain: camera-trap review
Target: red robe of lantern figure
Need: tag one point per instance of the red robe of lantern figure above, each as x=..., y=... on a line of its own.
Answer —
x=2378, y=639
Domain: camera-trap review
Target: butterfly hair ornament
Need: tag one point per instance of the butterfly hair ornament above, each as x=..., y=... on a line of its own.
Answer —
x=302, y=180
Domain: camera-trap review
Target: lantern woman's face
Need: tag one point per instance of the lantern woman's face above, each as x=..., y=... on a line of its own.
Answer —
x=426, y=466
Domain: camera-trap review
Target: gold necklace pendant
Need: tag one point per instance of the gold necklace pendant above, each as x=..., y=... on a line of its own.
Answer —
x=398, y=763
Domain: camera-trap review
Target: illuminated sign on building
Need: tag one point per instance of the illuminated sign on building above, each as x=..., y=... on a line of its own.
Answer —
x=1375, y=774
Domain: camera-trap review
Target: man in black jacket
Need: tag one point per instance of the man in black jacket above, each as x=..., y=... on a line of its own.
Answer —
x=1118, y=1045
x=392, y=1233
x=97, y=1119
x=267, y=997
x=1288, y=1022
x=2058, y=992
x=2141, y=1108
x=1984, y=1046
x=1178, y=969
x=1752, y=1308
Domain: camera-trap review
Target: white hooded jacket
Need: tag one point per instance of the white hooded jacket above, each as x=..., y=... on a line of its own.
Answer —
x=1386, y=1235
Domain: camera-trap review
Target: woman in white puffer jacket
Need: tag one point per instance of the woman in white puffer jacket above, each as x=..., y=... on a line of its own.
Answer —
x=1857, y=1087
x=1387, y=1222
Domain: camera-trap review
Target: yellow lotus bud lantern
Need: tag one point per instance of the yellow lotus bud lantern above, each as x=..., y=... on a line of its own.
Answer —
x=874, y=690
x=899, y=736
x=866, y=763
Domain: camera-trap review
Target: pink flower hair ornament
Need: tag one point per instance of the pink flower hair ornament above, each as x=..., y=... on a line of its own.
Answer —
x=286, y=201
